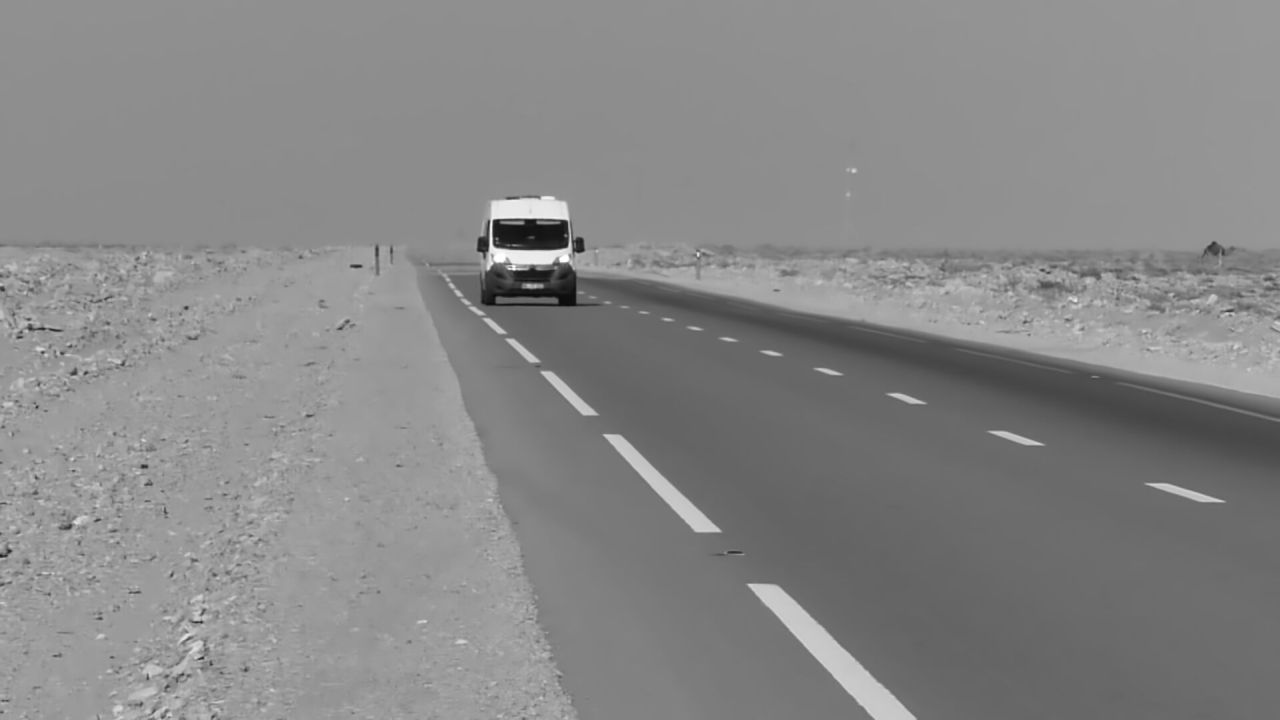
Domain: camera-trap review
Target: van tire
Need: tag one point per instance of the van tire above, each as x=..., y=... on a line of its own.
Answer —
x=570, y=298
x=486, y=297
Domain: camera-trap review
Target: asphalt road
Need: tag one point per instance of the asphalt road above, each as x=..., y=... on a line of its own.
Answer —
x=927, y=528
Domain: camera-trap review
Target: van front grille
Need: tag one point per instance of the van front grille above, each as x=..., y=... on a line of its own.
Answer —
x=532, y=275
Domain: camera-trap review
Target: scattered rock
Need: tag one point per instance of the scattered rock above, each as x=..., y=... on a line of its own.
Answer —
x=344, y=324
x=141, y=695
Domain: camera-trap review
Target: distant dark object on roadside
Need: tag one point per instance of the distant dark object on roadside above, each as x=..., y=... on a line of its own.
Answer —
x=356, y=266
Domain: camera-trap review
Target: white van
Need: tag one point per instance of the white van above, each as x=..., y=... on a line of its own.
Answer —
x=526, y=250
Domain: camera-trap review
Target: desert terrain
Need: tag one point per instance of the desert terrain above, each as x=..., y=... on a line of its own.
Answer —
x=1174, y=314
x=240, y=483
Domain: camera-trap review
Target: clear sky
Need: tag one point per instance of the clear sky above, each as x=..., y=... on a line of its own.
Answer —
x=983, y=123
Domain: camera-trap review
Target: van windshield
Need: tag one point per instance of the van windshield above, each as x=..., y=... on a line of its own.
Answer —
x=530, y=234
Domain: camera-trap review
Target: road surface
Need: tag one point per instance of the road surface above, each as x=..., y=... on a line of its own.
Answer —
x=735, y=511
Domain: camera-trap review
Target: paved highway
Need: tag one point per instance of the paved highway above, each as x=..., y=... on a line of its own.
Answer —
x=731, y=510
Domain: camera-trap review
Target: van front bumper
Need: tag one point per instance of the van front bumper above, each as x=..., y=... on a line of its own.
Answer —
x=531, y=281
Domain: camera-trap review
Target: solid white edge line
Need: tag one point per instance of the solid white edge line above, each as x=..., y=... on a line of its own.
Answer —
x=906, y=398
x=1014, y=437
x=829, y=371
x=771, y=353
x=728, y=339
x=569, y=394
x=494, y=326
x=1183, y=492
x=524, y=353
x=1028, y=363
x=908, y=338
x=1210, y=403
x=856, y=680
x=687, y=511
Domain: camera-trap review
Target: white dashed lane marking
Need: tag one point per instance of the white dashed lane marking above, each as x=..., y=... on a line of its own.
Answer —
x=1183, y=492
x=728, y=340
x=1013, y=437
x=856, y=680
x=829, y=371
x=476, y=310
x=906, y=398
x=625, y=307
x=687, y=511
x=694, y=328
x=771, y=353
x=494, y=326
x=667, y=319
x=644, y=312
x=569, y=394
x=524, y=353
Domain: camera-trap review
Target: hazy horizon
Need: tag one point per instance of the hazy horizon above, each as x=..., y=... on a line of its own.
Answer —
x=1127, y=124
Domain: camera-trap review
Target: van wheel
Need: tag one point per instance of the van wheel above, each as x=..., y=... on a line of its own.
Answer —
x=570, y=298
x=486, y=297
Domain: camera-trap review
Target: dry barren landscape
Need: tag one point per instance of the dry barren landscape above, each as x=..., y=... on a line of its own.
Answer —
x=240, y=483
x=1175, y=314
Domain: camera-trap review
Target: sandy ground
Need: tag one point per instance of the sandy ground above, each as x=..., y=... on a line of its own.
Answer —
x=280, y=511
x=1167, y=314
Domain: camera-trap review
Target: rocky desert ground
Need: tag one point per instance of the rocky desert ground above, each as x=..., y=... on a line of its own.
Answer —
x=240, y=483
x=1172, y=313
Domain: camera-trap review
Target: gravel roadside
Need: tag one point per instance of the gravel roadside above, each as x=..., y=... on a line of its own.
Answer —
x=285, y=517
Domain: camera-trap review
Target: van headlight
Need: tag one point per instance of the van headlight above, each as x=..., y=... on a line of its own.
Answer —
x=564, y=259
x=500, y=258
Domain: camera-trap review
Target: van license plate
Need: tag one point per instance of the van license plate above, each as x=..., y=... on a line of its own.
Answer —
x=534, y=286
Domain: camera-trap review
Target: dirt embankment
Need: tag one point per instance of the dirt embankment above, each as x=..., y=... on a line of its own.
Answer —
x=1167, y=313
x=242, y=484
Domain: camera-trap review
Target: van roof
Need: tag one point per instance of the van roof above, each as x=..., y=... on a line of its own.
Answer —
x=529, y=206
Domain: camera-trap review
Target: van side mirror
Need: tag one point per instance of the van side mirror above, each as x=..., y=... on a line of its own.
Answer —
x=482, y=244
x=579, y=245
